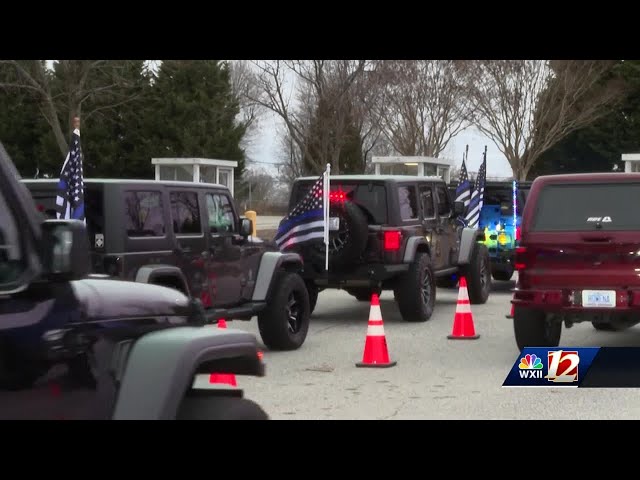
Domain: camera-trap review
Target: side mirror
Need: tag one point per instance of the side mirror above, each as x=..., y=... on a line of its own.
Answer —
x=65, y=249
x=458, y=208
x=246, y=226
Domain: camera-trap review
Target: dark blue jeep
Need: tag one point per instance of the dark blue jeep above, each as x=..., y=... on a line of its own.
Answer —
x=499, y=222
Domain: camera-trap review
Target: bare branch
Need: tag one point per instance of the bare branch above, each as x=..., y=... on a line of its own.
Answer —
x=527, y=106
x=424, y=104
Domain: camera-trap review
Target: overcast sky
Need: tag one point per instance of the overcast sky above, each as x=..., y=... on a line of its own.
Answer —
x=266, y=149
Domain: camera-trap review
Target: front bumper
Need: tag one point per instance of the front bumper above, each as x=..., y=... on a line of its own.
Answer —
x=368, y=275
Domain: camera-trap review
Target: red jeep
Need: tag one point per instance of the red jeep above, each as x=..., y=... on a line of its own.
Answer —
x=579, y=256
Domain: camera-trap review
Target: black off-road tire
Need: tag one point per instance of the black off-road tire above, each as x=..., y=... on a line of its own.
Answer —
x=414, y=304
x=354, y=228
x=533, y=328
x=478, y=275
x=284, y=323
x=220, y=408
x=608, y=327
x=503, y=275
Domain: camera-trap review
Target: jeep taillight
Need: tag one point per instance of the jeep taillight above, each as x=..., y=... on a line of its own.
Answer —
x=338, y=196
x=392, y=240
x=517, y=233
x=520, y=260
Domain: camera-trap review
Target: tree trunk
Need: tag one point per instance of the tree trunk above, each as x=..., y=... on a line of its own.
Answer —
x=520, y=172
x=335, y=162
x=52, y=118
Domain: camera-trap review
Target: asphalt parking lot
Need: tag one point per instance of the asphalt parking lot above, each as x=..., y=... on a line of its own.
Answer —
x=435, y=378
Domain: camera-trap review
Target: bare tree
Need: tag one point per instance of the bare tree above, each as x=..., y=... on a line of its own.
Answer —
x=245, y=87
x=75, y=84
x=527, y=106
x=424, y=104
x=318, y=120
x=292, y=165
x=257, y=189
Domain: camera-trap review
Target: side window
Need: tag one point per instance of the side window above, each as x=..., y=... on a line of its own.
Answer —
x=12, y=261
x=444, y=203
x=426, y=197
x=185, y=213
x=408, y=202
x=144, y=215
x=220, y=211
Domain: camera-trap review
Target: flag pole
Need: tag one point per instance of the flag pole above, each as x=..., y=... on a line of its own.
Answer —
x=325, y=194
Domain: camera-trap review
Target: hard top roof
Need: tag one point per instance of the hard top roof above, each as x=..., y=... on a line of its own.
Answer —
x=598, y=177
x=501, y=183
x=373, y=177
x=129, y=181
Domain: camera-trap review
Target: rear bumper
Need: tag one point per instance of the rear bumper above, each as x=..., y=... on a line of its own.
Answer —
x=567, y=300
x=501, y=259
x=360, y=276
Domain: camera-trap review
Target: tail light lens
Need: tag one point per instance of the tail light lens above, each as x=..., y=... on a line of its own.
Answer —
x=520, y=260
x=338, y=196
x=517, y=233
x=392, y=240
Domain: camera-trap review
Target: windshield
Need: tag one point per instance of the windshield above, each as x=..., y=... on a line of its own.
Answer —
x=502, y=197
x=580, y=207
x=371, y=198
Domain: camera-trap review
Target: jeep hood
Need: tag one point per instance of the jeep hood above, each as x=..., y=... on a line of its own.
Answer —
x=106, y=298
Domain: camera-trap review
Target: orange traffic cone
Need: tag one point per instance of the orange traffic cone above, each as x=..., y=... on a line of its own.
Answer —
x=223, y=378
x=511, y=313
x=463, y=328
x=376, y=353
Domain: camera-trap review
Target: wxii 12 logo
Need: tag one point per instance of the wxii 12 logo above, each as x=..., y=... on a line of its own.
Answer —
x=562, y=366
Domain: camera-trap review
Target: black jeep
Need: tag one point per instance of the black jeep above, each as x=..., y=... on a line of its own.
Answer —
x=77, y=346
x=189, y=237
x=399, y=233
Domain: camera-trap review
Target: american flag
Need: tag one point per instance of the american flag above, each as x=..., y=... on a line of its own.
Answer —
x=70, y=198
x=306, y=222
x=463, y=190
x=477, y=197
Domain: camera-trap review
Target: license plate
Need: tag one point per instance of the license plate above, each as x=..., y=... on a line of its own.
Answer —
x=599, y=298
x=334, y=223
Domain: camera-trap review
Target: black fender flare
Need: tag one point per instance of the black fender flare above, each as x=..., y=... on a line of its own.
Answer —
x=161, y=366
x=270, y=264
x=148, y=273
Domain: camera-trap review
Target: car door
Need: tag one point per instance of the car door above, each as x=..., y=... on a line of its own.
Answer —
x=224, y=269
x=191, y=245
x=446, y=225
x=430, y=223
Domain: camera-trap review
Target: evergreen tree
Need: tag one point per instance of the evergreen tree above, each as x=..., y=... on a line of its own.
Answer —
x=193, y=113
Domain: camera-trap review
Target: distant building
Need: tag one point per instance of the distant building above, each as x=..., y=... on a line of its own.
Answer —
x=422, y=166
x=205, y=170
x=631, y=162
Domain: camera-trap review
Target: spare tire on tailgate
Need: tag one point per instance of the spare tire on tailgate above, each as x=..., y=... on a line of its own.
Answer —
x=345, y=244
